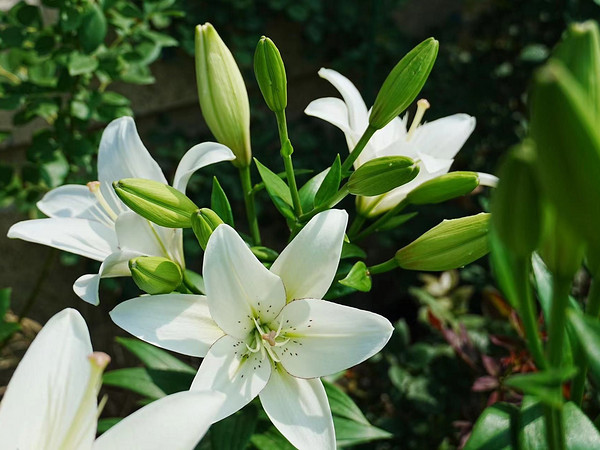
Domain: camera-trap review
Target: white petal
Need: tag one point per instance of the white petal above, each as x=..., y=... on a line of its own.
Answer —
x=176, y=322
x=237, y=285
x=83, y=237
x=299, y=409
x=45, y=392
x=123, y=155
x=115, y=265
x=443, y=138
x=177, y=421
x=308, y=264
x=332, y=110
x=225, y=369
x=75, y=201
x=197, y=157
x=486, y=179
x=357, y=110
x=326, y=337
x=433, y=164
x=136, y=234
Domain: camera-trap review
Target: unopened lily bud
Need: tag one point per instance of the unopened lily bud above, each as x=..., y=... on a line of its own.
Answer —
x=516, y=208
x=222, y=94
x=567, y=145
x=404, y=83
x=444, y=187
x=204, y=222
x=265, y=254
x=155, y=275
x=449, y=245
x=270, y=74
x=381, y=175
x=579, y=51
x=156, y=201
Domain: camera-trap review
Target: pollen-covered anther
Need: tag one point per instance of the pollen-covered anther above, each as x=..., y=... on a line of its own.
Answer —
x=270, y=337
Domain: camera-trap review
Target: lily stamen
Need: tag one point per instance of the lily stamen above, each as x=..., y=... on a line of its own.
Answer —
x=94, y=187
x=422, y=106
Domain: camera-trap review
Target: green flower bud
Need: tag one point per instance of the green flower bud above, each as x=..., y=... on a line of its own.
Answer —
x=449, y=245
x=404, y=83
x=204, y=222
x=516, y=208
x=265, y=254
x=155, y=275
x=567, y=143
x=270, y=74
x=156, y=201
x=444, y=187
x=222, y=94
x=381, y=175
x=579, y=51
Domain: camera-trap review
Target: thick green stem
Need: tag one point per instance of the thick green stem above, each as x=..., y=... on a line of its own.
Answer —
x=527, y=312
x=286, y=154
x=379, y=222
x=383, y=267
x=357, y=224
x=360, y=146
x=249, y=202
x=556, y=341
x=592, y=310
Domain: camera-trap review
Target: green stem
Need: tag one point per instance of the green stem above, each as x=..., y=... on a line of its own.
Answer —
x=48, y=262
x=249, y=202
x=528, y=313
x=286, y=154
x=359, y=220
x=379, y=222
x=368, y=134
x=383, y=267
x=556, y=341
x=592, y=310
x=338, y=197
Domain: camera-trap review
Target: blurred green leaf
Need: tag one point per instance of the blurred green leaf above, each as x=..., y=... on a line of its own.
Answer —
x=154, y=357
x=80, y=64
x=493, y=428
x=234, y=432
x=93, y=28
x=135, y=379
x=546, y=385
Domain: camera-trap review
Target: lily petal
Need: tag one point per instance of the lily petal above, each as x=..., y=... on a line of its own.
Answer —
x=44, y=395
x=433, y=164
x=197, y=157
x=73, y=201
x=326, y=337
x=237, y=285
x=225, y=369
x=83, y=237
x=176, y=421
x=115, y=265
x=308, y=264
x=486, y=179
x=443, y=138
x=332, y=110
x=137, y=234
x=299, y=409
x=176, y=322
x=123, y=155
x=357, y=110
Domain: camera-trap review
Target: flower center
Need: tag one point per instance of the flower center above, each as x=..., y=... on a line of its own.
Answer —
x=94, y=187
x=263, y=335
x=422, y=106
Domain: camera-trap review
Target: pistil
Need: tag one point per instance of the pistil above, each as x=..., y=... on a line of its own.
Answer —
x=422, y=106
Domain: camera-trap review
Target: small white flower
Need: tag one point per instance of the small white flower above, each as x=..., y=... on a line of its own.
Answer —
x=91, y=221
x=51, y=400
x=266, y=332
x=434, y=144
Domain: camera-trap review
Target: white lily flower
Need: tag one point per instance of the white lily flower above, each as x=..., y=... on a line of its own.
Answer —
x=91, y=221
x=433, y=144
x=51, y=400
x=266, y=332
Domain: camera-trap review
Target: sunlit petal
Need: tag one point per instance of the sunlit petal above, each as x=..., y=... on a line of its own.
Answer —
x=197, y=157
x=357, y=110
x=443, y=138
x=73, y=201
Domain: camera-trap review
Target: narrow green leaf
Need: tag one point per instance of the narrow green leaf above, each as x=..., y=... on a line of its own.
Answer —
x=546, y=385
x=587, y=330
x=135, y=379
x=358, y=278
x=219, y=203
x=234, y=432
x=352, y=251
x=493, y=429
x=271, y=440
x=107, y=423
x=330, y=184
x=4, y=301
x=154, y=357
x=278, y=190
x=381, y=175
x=309, y=190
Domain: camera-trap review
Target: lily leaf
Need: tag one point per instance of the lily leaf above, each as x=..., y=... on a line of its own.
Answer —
x=493, y=429
x=330, y=184
x=278, y=191
x=154, y=357
x=219, y=203
x=358, y=278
